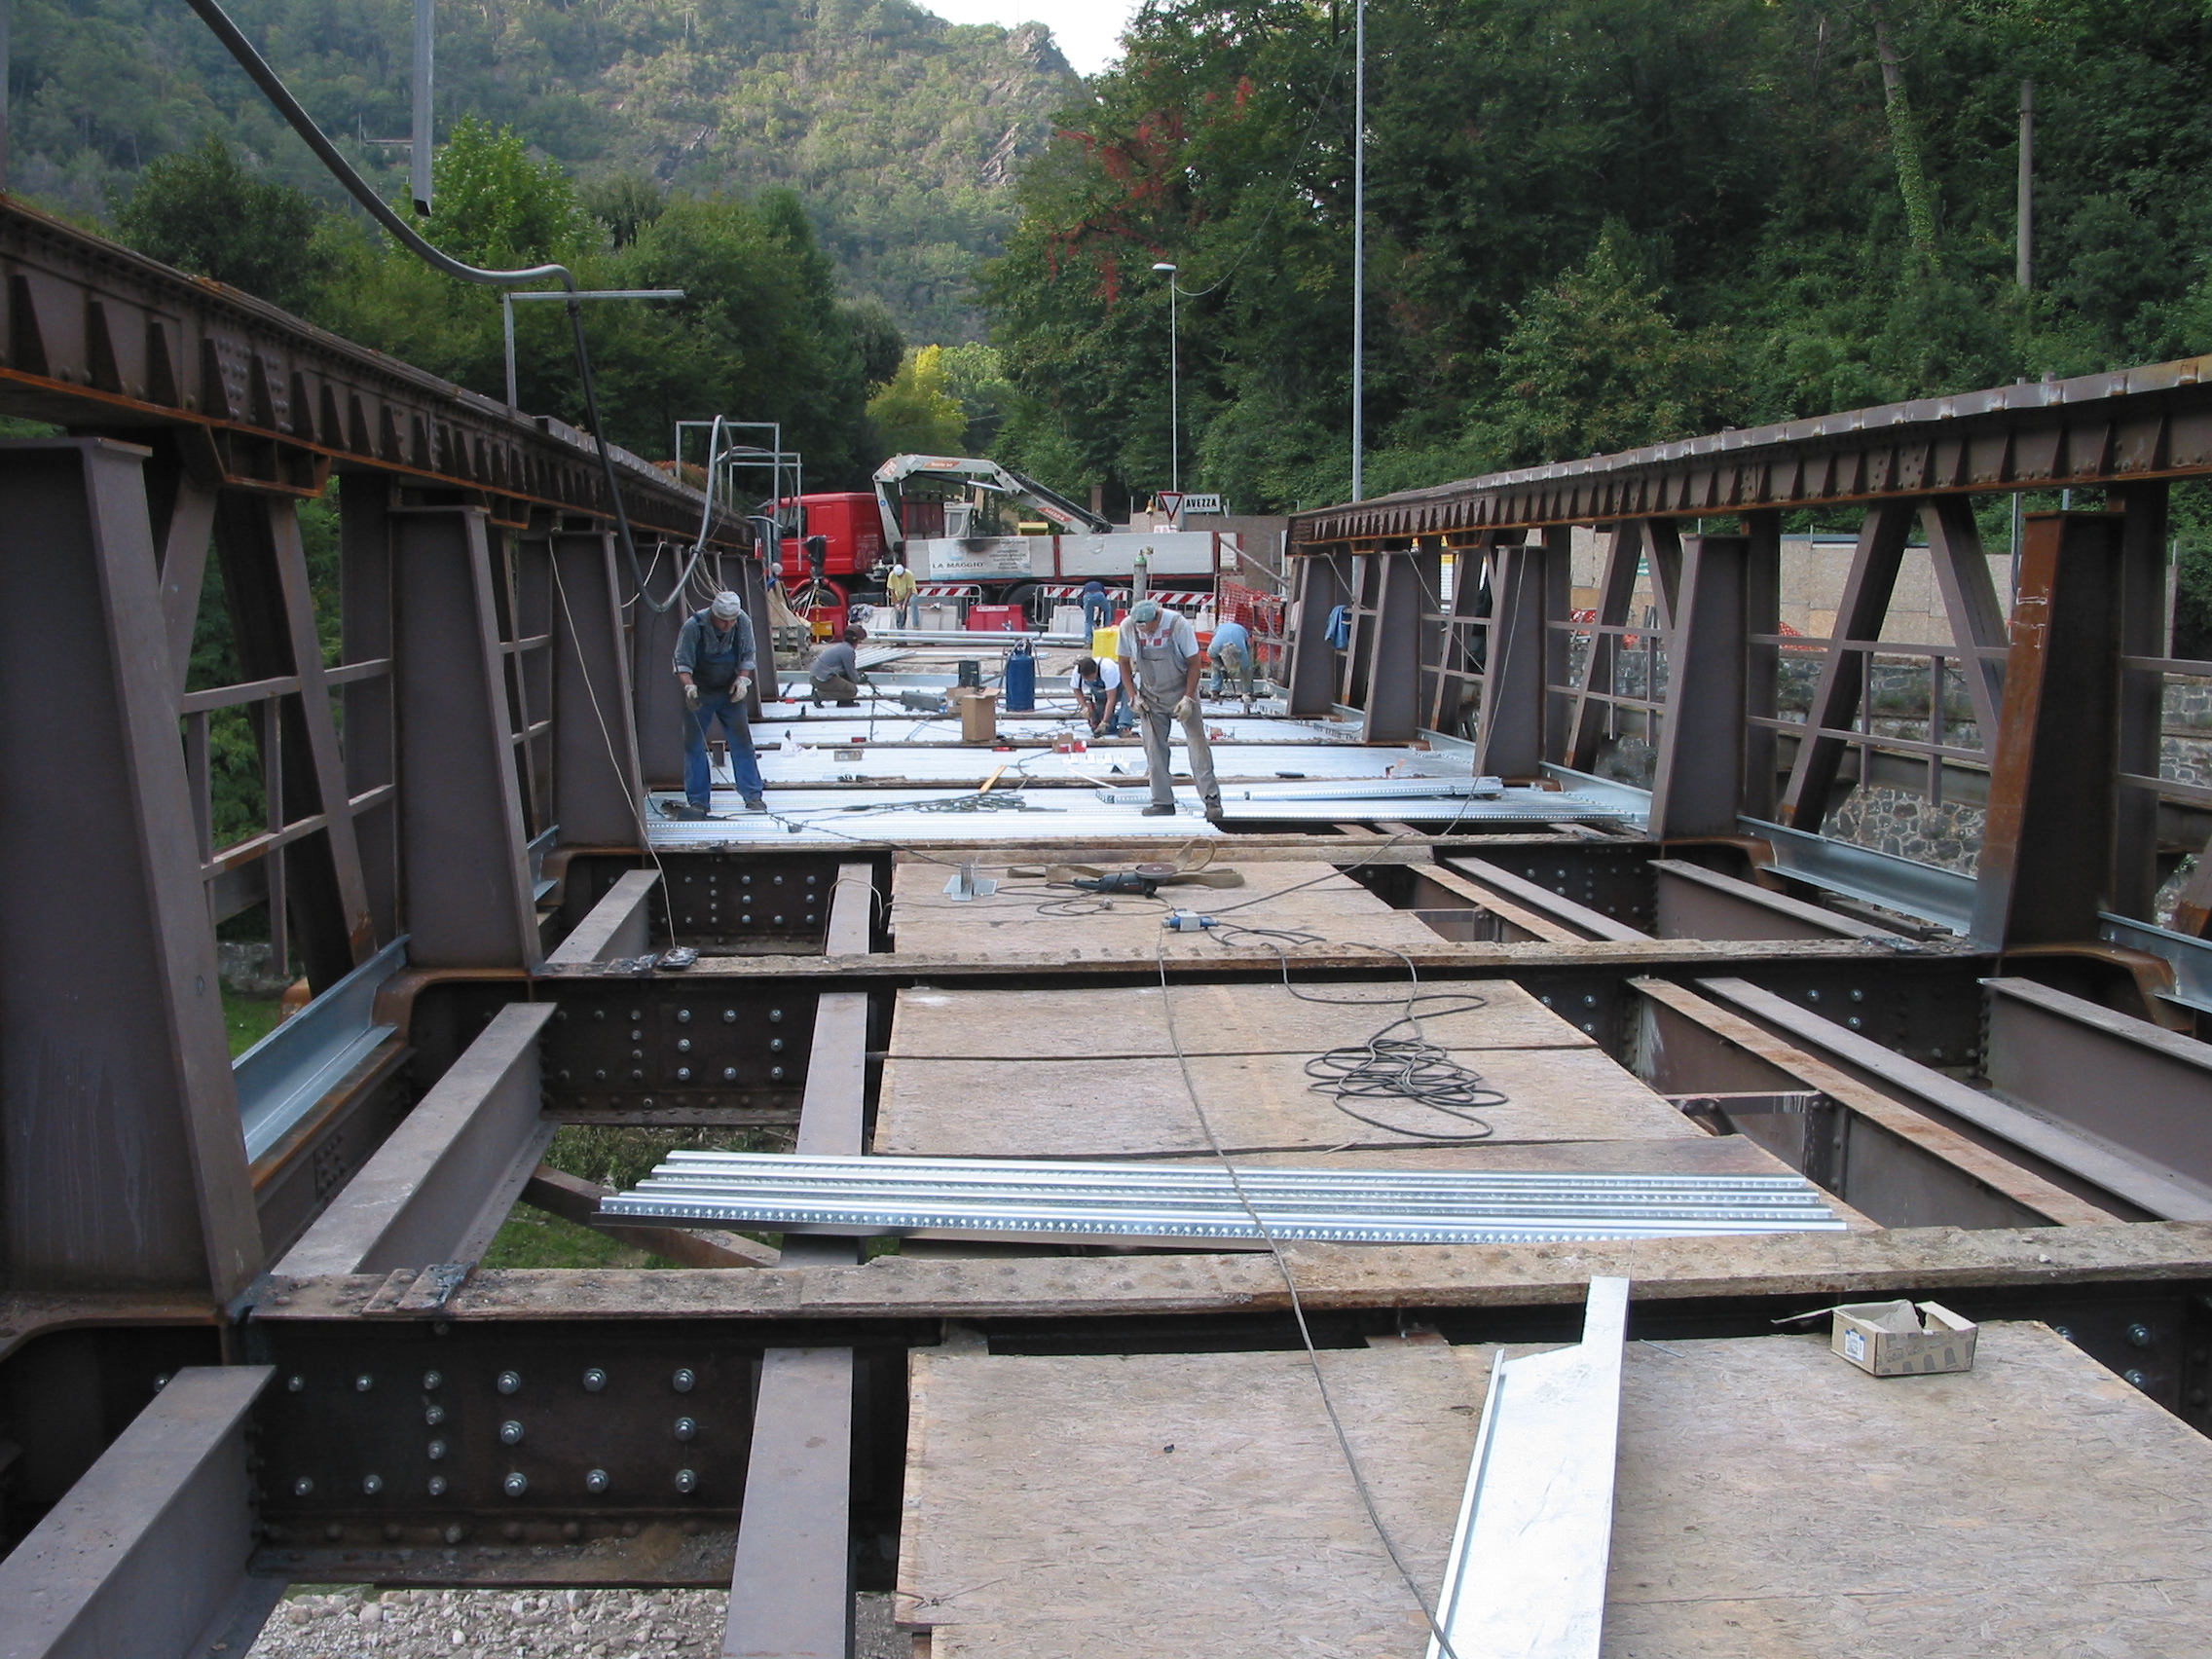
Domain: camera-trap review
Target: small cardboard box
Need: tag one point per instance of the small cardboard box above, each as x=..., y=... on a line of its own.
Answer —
x=1890, y=1340
x=979, y=715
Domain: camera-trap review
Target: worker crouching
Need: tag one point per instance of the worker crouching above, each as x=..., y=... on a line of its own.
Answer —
x=836, y=671
x=1159, y=656
x=715, y=664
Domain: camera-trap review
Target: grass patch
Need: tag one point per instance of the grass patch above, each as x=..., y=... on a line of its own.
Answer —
x=618, y=1158
x=246, y=1021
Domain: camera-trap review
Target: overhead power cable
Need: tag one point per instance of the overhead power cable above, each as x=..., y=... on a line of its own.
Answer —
x=290, y=107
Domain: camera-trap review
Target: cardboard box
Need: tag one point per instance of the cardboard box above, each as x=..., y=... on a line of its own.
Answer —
x=979, y=715
x=1889, y=1339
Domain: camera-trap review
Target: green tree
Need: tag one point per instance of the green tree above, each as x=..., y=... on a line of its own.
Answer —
x=205, y=212
x=492, y=205
x=918, y=414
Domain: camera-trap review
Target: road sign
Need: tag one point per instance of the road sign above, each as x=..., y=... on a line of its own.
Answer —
x=1197, y=503
x=1169, y=502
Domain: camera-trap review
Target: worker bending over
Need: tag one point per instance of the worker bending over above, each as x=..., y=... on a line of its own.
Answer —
x=836, y=671
x=714, y=663
x=1231, y=651
x=898, y=588
x=1097, y=606
x=1161, y=657
x=1098, y=686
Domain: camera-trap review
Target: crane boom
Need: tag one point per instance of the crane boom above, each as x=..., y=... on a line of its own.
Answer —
x=985, y=474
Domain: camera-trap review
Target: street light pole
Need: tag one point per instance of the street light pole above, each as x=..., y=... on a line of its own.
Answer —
x=507, y=298
x=1174, y=388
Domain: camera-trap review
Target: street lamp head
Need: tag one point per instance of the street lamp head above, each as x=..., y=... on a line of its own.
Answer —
x=1165, y=265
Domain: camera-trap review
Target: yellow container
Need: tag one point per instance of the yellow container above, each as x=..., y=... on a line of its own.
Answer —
x=1105, y=641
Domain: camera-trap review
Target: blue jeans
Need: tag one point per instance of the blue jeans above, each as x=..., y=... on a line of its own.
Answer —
x=697, y=778
x=1098, y=612
x=1124, y=717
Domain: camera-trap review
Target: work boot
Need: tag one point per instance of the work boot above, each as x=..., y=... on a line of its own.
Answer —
x=1214, y=810
x=682, y=809
x=1156, y=810
x=754, y=803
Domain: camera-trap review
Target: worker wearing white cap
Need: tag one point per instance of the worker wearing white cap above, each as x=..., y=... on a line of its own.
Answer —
x=715, y=664
x=1161, y=657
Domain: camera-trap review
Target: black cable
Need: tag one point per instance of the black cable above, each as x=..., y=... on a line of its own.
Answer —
x=277, y=94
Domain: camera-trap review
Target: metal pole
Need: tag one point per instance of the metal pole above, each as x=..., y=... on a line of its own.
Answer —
x=1174, y=397
x=507, y=326
x=1359, y=250
x=7, y=70
x=2025, y=251
x=426, y=34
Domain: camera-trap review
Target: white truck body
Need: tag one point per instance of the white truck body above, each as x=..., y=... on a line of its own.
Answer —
x=1170, y=555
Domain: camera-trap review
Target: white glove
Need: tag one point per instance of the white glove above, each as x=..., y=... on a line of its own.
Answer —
x=691, y=698
x=742, y=689
x=1187, y=710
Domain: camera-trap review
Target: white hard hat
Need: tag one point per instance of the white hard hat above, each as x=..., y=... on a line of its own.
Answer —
x=728, y=604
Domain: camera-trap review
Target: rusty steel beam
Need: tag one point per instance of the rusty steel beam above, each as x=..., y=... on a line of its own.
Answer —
x=2119, y=428
x=98, y=339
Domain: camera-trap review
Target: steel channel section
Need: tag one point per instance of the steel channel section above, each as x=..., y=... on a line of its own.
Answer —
x=1693, y=903
x=440, y=1185
x=598, y=787
x=126, y=1167
x=618, y=926
x=868, y=1197
x=2085, y=1158
x=791, y=1583
x=2119, y=1079
x=470, y=901
x=1526, y=1576
x=282, y=1077
x=146, y=1556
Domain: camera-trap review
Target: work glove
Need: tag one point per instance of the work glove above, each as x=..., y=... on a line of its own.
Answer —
x=742, y=689
x=1187, y=710
x=691, y=698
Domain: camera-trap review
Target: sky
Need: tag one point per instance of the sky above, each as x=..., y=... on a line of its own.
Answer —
x=1088, y=31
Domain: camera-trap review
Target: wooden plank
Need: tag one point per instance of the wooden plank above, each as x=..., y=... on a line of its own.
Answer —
x=950, y=1023
x=574, y=1198
x=1307, y=897
x=1997, y=1510
x=1787, y=1267
x=1255, y=1103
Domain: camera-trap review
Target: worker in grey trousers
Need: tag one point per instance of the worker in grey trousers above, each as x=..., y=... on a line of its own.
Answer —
x=1159, y=656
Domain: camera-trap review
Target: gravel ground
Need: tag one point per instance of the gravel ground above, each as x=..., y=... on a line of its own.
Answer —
x=350, y=1622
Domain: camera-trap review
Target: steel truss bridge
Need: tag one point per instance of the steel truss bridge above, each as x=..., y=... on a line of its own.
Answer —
x=239, y=1306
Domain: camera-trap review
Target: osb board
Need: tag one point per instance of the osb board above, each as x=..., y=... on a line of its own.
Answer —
x=925, y=919
x=945, y=1023
x=1772, y=1502
x=1129, y=1108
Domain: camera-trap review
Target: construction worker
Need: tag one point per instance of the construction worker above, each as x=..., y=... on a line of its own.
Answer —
x=836, y=672
x=1098, y=686
x=715, y=664
x=1231, y=653
x=1098, y=608
x=1161, y=657
x=898, y=588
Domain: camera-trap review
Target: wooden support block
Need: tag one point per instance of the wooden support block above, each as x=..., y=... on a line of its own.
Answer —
x=574, y=1198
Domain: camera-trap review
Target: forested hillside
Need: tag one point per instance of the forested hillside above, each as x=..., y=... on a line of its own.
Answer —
x=1592, y=224
x=900, y=132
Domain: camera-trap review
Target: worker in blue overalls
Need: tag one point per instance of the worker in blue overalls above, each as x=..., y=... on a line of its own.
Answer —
x=715, y=664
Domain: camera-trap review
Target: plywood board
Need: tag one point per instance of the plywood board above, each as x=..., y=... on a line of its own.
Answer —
x=946, y=1023
x=1773, y=1502
x=1255, y=1103
x=1026, y=918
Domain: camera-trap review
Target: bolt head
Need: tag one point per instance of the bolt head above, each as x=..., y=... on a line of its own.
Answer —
x=372, y=1484
x=293, y=1385
x=432, y=1415
x=304, y=1486
x=455, y=1533
x=686, y=1480
x=687, y=1428
x=730, y=1016
x=2139, y=1335
x=435, y=1449
x=594, y=1380
x=510, y=1433
x=729, y=1074
x=510, y=1381
x=363, y=1383
x=683, y=1017
x=438, y=1485
x=432, y=1381
x=685, y=1380
x=775, y=1015
x=515, y=1484
x=595, y=1483
x=2139, y=1379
